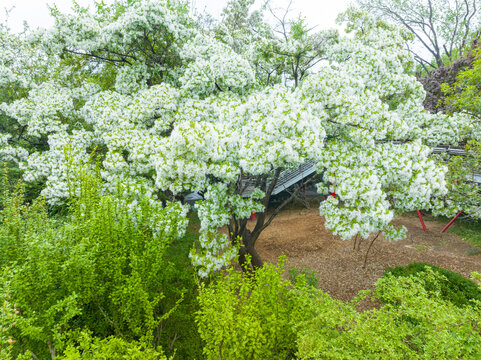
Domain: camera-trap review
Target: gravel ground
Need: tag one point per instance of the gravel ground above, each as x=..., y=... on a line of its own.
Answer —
x=301, y=236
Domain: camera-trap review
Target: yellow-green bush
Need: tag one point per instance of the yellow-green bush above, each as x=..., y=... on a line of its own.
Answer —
x=244, y=317
x=111, y=348
x=102, y=270
x=265, y=318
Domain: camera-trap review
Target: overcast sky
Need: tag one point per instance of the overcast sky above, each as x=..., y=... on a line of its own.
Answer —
x=318, y=12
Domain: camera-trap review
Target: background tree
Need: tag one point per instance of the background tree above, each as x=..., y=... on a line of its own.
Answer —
x=247, y=32
x=444, y=76
x=296, y=46
x=464, y=95
x=240, y=24
x=443, y=28
x=279, y=47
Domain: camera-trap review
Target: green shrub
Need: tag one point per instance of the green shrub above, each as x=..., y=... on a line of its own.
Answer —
x=453, y=286
x=413, y=324
x=8, y=320
x=104, y=269
x=265, y=318
x=244, y=317
x=180, y=336
x=310, y=276
x=111, y=348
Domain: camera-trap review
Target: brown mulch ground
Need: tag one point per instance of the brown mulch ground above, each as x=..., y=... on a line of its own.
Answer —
x=301, y=236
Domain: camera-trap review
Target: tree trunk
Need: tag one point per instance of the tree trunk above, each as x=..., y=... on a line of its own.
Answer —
x=248, y=251
x=238, y=227
x=256, y=259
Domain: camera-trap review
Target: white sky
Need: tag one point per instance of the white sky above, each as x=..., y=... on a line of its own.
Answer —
x=317, y=12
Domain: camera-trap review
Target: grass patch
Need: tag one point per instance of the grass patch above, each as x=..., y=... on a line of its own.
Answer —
x=475, y=251
x=469, y=230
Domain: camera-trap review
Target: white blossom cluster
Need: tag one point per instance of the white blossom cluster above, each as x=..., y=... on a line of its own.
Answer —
x=214, y=67
x=116, y=30
x=168, y=219
x=11, y=50
x=215, y=212
x=228, y=137
x=372, y=183
x=43, y=110
x=9, y=152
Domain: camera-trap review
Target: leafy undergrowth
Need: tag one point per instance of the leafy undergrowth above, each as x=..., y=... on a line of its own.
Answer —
x=100, y=283
x=182, y=339
x=266, y=317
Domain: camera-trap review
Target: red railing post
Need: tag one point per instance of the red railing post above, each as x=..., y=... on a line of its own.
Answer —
x=422, y=221
x=452, y=220
x=333, y=194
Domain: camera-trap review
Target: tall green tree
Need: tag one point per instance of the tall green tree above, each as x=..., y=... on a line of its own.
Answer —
x=279, y=47
x=464, y=95
x=298, y=47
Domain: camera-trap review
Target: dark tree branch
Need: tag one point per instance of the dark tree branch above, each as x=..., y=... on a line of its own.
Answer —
x=348, y=124
x=123, y=60
x=369, y=248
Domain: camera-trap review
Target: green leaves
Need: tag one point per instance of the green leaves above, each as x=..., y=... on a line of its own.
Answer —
x=102, y=269
x=92, y=348
x=264, y=317
x=245, y=317
x=465, y=94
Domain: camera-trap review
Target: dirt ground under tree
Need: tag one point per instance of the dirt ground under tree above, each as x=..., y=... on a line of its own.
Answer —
x=300, y=234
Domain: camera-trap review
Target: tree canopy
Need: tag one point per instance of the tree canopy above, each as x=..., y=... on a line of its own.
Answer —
x=166, y=109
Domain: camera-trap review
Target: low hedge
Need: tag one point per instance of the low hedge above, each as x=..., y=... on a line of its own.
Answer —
x=454, y=287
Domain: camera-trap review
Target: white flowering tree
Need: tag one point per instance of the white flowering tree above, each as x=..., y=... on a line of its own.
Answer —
x=168, y=110
x=20, y=66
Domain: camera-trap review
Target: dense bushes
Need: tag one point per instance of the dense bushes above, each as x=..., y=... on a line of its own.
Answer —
x=247, y=317
x=265, y=318
x=103, y=271
x=453, y=287
x=109, y=348
x=105, y=284
x=414, y=324
x=180, y=335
